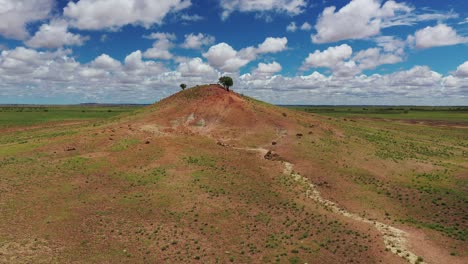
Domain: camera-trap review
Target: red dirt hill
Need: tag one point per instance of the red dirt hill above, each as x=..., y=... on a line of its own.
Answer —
x=211, y=110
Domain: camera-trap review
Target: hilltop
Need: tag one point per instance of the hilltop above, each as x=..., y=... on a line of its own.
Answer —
x=214, y=112
x=210, y=176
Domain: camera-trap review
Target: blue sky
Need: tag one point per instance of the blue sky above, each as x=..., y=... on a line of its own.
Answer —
x=280, y=51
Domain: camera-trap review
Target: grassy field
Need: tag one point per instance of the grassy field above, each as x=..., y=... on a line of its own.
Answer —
x=12, y=116
x=130, y=187
x=452, y=114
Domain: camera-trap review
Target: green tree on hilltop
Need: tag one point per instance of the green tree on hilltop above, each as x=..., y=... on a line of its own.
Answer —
x=226, y=81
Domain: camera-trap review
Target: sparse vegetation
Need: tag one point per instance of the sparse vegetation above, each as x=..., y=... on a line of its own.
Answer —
x=27, y=116
x=183, y=198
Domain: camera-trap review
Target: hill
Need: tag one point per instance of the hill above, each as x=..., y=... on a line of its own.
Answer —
x=210, y=176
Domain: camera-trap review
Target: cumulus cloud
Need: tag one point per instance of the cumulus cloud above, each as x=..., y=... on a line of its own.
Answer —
x=272, y=45
x=110, y=14
x=267, y=68
x=161, y=46
x=15, y=15
x=328, y=58
x=92, y=73
x=224, y=57
x=106, y=62
x=418, y=85
x=22, y=65
x=341, y=61
x=55, y=35
x=356, y=20
x=197, y=41
x=134, y=63
x=290, y=7
x=334, y=58
x=196, y=68
x=418, y=76
x=292, y=27
x=306, y=26
x=440, y=35
x=462, y=70
x=28, y=73
x=373, y=57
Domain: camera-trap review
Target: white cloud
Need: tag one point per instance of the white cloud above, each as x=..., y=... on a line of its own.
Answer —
x=161, y=46
x=462, y=70
x=292, y=27
x=157, y=53
x=106, y=62
x=328, y=58
x=406, y=87
x=416, y=86
x=134, y=63
x=161, y=35
x=15, y=15
x=440, y=35
x=92, y=73
x=224, y=57
x=418, y=76
x=373, y=57
x=306, y=26
x=391, y=44
x=267, y=68
x=340, y=60
x=358, y=19
x=22, y=65
x=196, y=67
x=346, y=69
x=57, y=77
x=109, y=14
x=290, y=7
x=197, y=41
x=55, y=35
x=191, y=18
x=272, y=45
x=415, y=17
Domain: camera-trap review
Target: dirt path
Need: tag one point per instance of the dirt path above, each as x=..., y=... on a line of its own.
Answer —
x=395, y=239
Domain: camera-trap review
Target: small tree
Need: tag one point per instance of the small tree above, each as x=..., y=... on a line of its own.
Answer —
x=226, y=81
x=183, y=86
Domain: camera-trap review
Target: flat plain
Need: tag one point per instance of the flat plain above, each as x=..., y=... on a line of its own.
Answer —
x=188, y=180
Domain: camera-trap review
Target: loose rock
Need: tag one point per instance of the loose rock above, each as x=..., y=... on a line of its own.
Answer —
x=272, y=156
